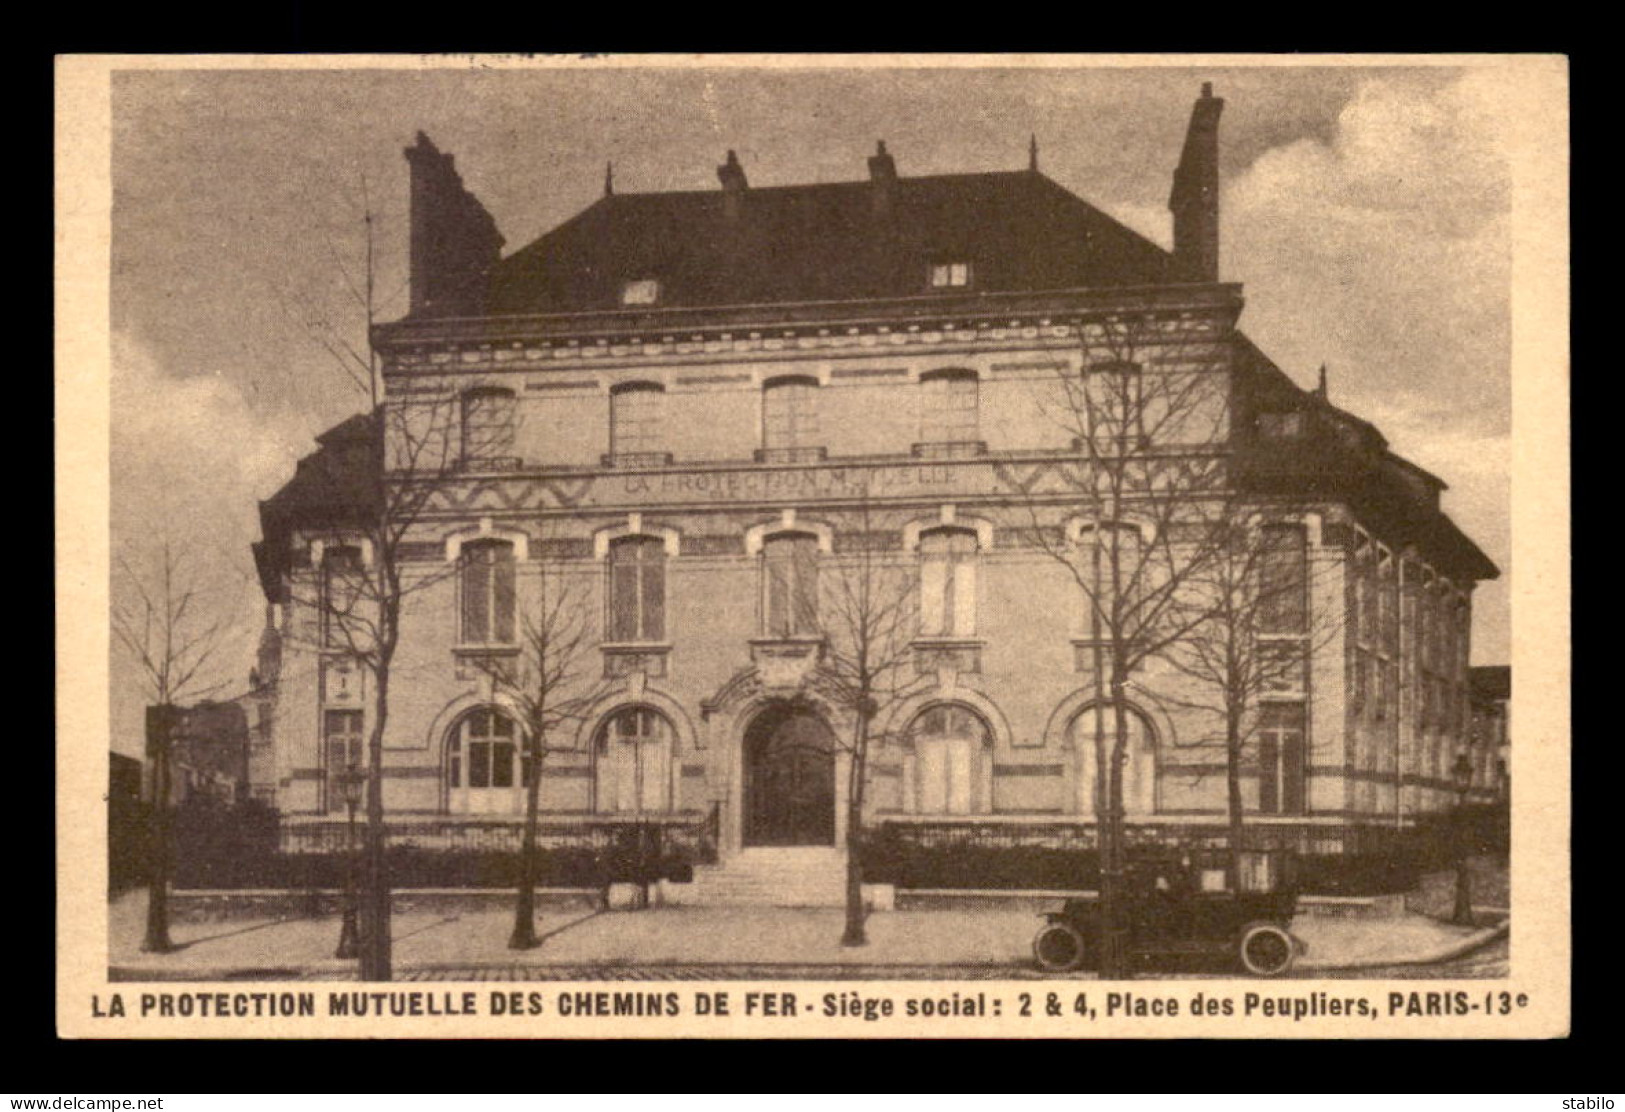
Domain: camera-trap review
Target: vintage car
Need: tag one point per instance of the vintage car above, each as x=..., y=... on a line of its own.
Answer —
x=1173, y=909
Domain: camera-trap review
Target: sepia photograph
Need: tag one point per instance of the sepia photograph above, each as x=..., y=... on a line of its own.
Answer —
x=998, y=545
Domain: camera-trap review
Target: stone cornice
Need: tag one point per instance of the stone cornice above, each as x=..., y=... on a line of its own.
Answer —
x=974, y=314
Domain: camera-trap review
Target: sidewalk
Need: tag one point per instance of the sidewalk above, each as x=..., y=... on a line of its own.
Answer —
x=980, y=938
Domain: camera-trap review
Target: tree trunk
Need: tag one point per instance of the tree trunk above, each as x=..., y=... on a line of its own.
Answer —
x=376, y=943
x=855, y=933
x=157, y=939
x=524, y=910
x=1113, y=956
x=1232, y=778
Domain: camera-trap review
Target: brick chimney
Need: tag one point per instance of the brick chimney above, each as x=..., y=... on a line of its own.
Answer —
x=883, y=175
x=1195, y=197
x=732, y=176
x=454, y=242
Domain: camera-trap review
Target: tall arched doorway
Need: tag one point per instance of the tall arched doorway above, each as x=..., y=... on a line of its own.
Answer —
x=789, y=779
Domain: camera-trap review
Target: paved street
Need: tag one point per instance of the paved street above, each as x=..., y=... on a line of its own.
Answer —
x=726, y=943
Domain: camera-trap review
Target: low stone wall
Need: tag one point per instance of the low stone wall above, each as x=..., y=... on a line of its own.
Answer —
x=213, y=906
x=1353, y=907
x=1038, y=902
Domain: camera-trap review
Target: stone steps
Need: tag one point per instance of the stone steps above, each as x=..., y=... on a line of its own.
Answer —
x=789, y=877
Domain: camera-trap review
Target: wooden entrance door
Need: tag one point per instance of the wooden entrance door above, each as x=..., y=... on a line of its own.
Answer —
x=789, y=780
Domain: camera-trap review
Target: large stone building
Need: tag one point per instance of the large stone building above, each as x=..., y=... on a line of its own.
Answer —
x=693, y=406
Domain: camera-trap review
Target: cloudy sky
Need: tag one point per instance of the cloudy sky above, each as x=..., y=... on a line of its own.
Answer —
x=1365, y=210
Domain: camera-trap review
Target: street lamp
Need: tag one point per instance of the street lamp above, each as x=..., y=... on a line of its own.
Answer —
x=350, y=781
x=1461, y=772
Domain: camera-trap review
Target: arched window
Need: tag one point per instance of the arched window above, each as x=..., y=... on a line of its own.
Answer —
x=637, y=589
x=948, y=583
x=632, y=762
x=949, y=742
x=636, y=438
x=484, y=773
x=950, y=422
x=488, y=425
x=790, y=585
x=790, y=419
x=1093, y=734
x=486, y=593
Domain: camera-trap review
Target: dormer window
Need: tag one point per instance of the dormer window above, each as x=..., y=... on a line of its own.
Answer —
x=640, y=291
x=950, y=275
x=1280, y=426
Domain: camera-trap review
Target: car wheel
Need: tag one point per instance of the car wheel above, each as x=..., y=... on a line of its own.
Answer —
x=1266, y=949
x=1059, y=948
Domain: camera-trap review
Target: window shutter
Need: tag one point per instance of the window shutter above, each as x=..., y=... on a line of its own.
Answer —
x=623, y=591
x=1268, y=771
x=959, y=775
x=654, y=591
x=964, y=594
x=1292, y=782
x=933, y=587
x=778, y=590
x=476, y=611
x=933, y=777
x=806, y=585
x=503, y=600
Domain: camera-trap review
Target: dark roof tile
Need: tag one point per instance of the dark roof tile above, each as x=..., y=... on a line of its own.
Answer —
x=1020, y=231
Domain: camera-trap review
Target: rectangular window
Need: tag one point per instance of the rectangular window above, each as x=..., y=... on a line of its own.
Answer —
x=790, y=414
x=635, y=414
x=1282, y=666
x=1389, y=608
x=1366, y=589
x=488, y=426
x=1280, y=426
x=950, y=275
x=1281, y=759
x=341, y=732
x=790, y=586
x=1283, y=577
x=948, y=583
x=1112, y=567
x=637, y=589
x=487, y=589
x=343, y=585
x=640, y=291
x=950, y=408
x=1114, y=407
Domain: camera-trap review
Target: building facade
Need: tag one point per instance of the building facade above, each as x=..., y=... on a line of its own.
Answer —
x=688, y=412
x=1491, y=689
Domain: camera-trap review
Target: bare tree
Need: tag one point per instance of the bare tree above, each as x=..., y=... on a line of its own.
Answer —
x=1148, y=414
x=1256, y=628
x=869, y=618
x=173, y=634
x=548, y=683
x=404, y=453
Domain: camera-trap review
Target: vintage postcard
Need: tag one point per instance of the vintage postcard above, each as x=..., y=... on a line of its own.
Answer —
x=839, y=546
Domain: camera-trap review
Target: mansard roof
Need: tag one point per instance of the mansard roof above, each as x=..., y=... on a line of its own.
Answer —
x=1019, y=231
x=332, y=487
